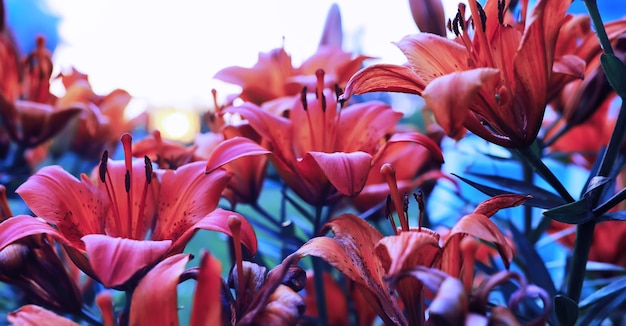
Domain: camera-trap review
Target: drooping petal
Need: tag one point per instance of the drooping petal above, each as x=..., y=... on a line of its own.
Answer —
x=116, y=260
x=347, y=172
x=452, y=107
x=21, y=226
x=157, y=305
x=75, y=207
x=218, y=221
x=408, y=249
x=351, y=251
x=36, y=315
x=482, y=227
x=492, y=205
x=427, y=142
x=232, y=149
x=187, y=195
x=384, y=78
x=207, y=308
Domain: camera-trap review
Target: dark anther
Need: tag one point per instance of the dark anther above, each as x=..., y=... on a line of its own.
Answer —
x=455, y=25
x=103, y=165
x=146, y=159
x=388, y=207
x=501, y=5
x=338, y=91
x=305, y=104
x=449, y=25
x=419, y=197
x=460, y=19
x=405, y=204
x=127, y=181
x=483, y=17
x=323, y=103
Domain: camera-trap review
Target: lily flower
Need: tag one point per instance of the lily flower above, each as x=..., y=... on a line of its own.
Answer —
x=274, y=82
x=321, y=151
x=104, y=223
x=365, y=256
x=37, y=73
x=499, y=74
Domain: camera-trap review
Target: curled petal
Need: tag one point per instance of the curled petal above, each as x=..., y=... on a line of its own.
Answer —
x=157, y=305
x=346, y=171
x=284, y=307
x=232, y=149
x=36, y=315
x=452, y=107
x=218, y=221
x=21, y=226
x=116, y=260
x=384, y=78
x=492, y=205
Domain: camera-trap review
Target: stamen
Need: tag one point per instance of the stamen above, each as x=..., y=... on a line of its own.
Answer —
x=148, y=164
x=305, y=104
x=215, y=104
x=159, y=147
x=127, y=144
x=389, y=173
x=460, y=20
x=455, y=25
x=144, y=193
x=234, y=224
x=419, y=198
x=338, y=92
x=103, y=166
x=483, y=17
x=390, y=215
x=501, y=5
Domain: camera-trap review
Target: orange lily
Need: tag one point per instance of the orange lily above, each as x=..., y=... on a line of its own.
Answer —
x=321, y=152
x=363, y=255
x=499, y=78
x=38, y=70
x=167, y=154
x=103, y=224
x=274, y=79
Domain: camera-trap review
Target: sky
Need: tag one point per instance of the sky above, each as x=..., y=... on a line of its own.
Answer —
x=167, y=55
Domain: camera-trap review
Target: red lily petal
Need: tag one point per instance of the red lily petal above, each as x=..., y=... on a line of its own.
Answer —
x=207, y=308
x=232, y=149
x=432, y=56
x=482, y=227
x=346, y=171
x=332, y=34
x=277, y=130
x=157, y=305
x=74, y=207
x=116, y=260
x=36, y=315
x=218, y=221
x=492, y=205
x=451, y=108
x=384, y=78
x=351, y=251
x=187, y=195
x=21, y=226
x=427, y=142
x=408, y=249
x=376, y=117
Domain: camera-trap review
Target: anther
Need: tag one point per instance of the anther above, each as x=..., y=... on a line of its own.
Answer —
x=103, y=166
x=338, y=91
x=127, y=181
x=148, y=163
x=483, y=16
x=501, y=5
x=389, y=215
x=305, y=104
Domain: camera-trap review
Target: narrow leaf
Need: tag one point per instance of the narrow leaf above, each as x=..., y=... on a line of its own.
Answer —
x=572, y=213
x=615, y=72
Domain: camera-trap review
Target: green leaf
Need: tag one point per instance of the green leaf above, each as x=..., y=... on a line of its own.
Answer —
x=613, y=216
x=617, y=286
x=603, y=303
x=566, y=309
x=542, y=201
x=541, y=197
x=572, y=213
x=615, y=72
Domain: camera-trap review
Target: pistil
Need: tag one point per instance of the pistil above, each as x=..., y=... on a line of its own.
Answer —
x=105, y=178
x=128, y=161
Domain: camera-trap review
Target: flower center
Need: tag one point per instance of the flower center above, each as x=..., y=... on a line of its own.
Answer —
x=131, y=229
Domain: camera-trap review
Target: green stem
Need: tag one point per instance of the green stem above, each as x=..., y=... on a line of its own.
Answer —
x=541, y=169
x=318, y=275
x=528, y=210
x=563, y=130
x=592, y=8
